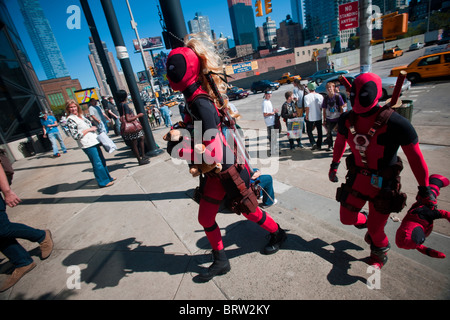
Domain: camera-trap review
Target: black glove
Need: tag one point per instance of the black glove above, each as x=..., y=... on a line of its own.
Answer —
x=333, y=170
x=426, y=197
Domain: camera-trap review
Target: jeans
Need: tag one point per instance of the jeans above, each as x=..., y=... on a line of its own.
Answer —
x=117, y=127
x=309, y=130
x=98, y=162
x=9, y=231
x=265, y=181
x=330, y=127
x=53, y=136
x=167, y=120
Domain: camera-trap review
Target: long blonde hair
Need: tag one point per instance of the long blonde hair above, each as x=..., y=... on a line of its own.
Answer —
x=210, y=63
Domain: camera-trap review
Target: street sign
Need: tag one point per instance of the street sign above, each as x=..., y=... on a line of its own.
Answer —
x=241, y=67
x=348, y=16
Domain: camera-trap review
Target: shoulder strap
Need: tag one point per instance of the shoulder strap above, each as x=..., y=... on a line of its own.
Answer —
x=382, y=119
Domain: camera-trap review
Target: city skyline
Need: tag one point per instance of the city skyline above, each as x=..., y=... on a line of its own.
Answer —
x=74, y=42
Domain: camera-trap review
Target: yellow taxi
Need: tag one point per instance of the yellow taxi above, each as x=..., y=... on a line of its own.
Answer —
x=432, y=65
x=287, y=78
x=392, y=53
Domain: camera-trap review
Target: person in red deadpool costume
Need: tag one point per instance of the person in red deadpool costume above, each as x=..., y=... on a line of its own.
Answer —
x=374, y=134
x=194, y=70
x=418, y=222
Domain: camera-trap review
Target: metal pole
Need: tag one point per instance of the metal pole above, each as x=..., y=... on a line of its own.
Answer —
x=174, y=19
x=365, y=23
x=149, y=74
x=100, y=51
x=122, y=55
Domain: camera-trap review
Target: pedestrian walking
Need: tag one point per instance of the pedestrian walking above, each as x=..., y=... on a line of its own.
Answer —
x=135, y=139
x=99, y=116
x=50, y=127
x=200, y=83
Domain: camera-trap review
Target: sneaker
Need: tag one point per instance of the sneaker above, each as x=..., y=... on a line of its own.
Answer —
x=301, y=146
x=46, y=245
x=314, y=147
x=56, y=155
x=276, y=240
x=17, y=274
x=264, y=206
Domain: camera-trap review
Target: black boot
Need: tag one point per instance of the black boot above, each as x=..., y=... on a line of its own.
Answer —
x=220, y=266
x=276, y=239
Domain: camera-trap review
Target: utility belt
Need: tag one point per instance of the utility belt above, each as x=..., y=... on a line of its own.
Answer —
x=388, y=199
x=246, y=202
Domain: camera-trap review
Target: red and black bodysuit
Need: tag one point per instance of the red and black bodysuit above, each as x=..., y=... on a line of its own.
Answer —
x=183, y=72
x=374, y=135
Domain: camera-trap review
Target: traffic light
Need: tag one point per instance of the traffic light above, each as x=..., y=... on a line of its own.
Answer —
x=258, y=6
x=395, y=26
x=152, y=71
x=268, y=6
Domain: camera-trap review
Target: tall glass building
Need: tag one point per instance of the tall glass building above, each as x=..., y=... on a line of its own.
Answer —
x=21, y=96
x=243, y=22
x=43, y=39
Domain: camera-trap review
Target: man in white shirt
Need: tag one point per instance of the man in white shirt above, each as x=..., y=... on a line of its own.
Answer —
x=269, y=118
x=313, y=117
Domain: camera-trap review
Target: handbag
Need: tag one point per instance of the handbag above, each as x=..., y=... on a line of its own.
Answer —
x=294, y=128
x=106, y=142
x=128, y=127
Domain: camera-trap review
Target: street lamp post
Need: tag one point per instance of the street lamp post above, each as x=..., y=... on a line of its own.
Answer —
x=149, y=75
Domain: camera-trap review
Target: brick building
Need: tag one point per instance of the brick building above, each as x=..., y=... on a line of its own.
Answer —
x=58, y=91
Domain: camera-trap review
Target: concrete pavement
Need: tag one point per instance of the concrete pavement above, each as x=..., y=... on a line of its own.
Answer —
x=140, y=238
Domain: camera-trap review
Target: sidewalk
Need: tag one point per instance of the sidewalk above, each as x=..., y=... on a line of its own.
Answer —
x=140, y=238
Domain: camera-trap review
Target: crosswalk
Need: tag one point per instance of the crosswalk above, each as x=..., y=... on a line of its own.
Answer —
x=415, y=91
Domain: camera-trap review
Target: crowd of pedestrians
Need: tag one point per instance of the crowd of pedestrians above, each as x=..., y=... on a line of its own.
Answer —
x=305, y=110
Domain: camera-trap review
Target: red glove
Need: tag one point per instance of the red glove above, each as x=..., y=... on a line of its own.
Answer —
x=426, y=197
x=333, y=170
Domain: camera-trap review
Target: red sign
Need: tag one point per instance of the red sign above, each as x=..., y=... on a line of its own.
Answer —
x=348, y=16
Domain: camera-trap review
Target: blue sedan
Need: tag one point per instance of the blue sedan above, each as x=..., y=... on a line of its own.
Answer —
x=325, y=74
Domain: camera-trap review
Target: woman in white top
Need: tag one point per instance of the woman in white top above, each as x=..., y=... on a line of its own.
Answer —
x=85, y=134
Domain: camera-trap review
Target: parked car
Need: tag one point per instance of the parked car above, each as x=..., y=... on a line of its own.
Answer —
x=433, y=65
x=288, y=78
x=392, y=53
x=388, y=84
x=236, y=93
x=325, y=74
x=262, y=85
x=416, y=46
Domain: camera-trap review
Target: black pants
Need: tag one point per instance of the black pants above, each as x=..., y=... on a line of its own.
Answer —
x=330, y=127
x=309, y=129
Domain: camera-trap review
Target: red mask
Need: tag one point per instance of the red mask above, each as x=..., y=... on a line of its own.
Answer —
x=366, y=91
x=183, y=69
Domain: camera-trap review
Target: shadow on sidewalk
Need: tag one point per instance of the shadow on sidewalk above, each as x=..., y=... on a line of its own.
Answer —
x=106, y=264
x=155, y=196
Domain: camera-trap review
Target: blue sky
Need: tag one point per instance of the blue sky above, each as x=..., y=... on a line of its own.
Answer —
x=74, y=42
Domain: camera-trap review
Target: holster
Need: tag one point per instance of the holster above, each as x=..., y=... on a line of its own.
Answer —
x=389, y=199
x=246, y=202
